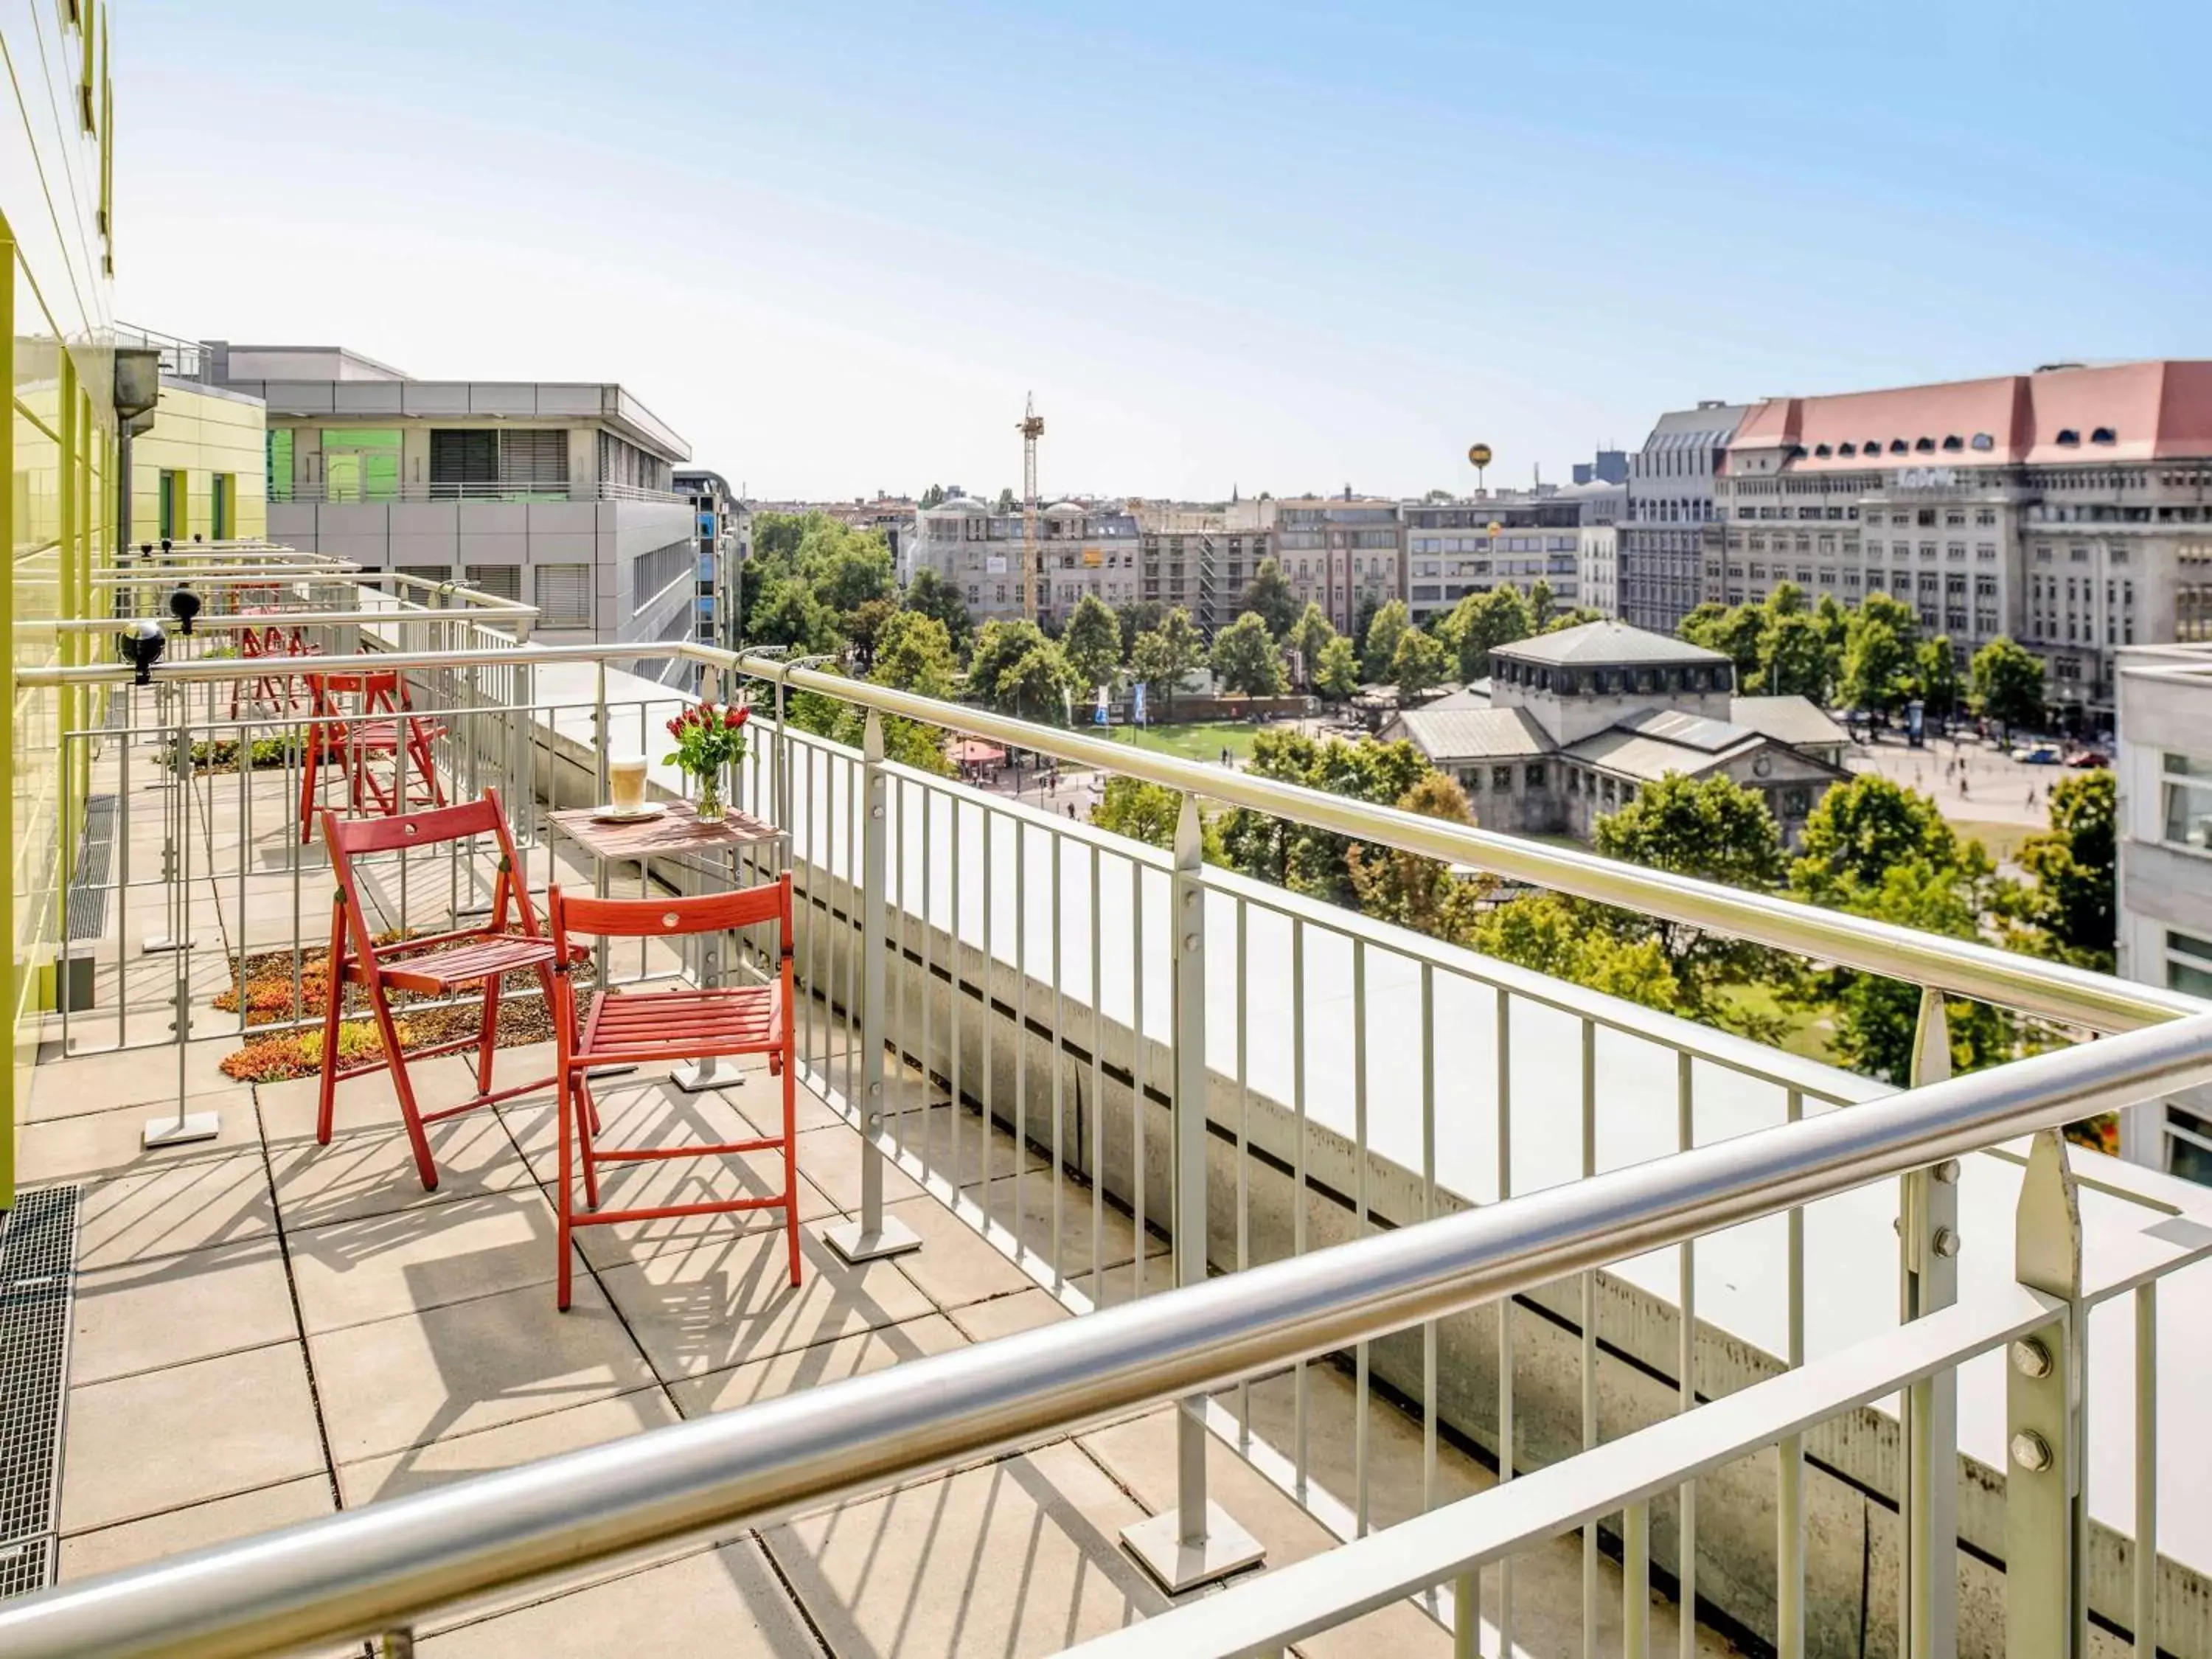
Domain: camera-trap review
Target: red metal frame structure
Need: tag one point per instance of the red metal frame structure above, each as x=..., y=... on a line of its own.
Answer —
x=639, y=1028
x=434, y=965
x=382, y=725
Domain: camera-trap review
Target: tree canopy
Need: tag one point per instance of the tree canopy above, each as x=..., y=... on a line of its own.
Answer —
x=1246, y=660
x=1480, y=622
x=2069, y=911
x=1092, y=641
x=2008, y=682
x=1270, y=599
x=1418, y=663
x=1379, y=646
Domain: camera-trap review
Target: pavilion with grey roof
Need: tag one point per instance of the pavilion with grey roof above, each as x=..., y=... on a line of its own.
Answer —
x=1575, y=722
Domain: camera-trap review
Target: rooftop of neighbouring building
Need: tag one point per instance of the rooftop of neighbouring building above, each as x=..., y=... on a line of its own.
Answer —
x=1605, y=644
x=306, y=381
x=2154, y=409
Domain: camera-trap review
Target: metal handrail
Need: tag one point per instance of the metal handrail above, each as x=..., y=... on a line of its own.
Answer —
x=375, y=1569
x=1965, y=967
x=317, y=493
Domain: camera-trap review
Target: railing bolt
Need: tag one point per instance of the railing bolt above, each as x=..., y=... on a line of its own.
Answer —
x=1190, y=941
x=2030, y=1451
x=1946, y=1242
x=1947, y=1171
x=2029, y=1357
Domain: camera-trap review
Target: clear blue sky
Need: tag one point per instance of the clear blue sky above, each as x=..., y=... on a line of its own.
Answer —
x=1277, y=246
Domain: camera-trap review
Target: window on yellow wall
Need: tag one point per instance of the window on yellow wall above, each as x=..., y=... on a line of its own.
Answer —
x=223, y=498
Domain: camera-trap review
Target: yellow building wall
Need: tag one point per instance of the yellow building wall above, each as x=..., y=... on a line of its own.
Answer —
x=56, y=492
x=201, y=434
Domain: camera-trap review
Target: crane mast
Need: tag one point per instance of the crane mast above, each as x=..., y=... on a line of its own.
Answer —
x=1031, y=429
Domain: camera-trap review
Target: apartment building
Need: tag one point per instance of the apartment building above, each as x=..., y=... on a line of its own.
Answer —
x=558, y=493
x=724, y=533
x=1084, y=547
x=890, y=517
x=1661, y=546
x=2070, y=508
x=2162, y=764
x=1341, y=553
x=1599, y=505
x=1456, y=548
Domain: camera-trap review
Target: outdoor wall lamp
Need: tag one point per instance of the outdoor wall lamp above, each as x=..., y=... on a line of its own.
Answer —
x=143, y=643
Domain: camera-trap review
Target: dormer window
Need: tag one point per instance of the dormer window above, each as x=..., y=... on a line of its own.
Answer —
x=1872, y=446
x=2103, y=434
x=1847, y=449
x=1924, y=447
x=1953, y=444
x=1898, y=447
x=1821, y=452
x=1983, y=441
x=2068, y=437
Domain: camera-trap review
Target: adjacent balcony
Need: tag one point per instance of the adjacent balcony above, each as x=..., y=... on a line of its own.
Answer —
x=1161, y=1230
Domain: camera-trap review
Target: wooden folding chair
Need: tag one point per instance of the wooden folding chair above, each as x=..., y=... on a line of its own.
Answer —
x=382, y=727
x=434, y=965
x=644, y=1027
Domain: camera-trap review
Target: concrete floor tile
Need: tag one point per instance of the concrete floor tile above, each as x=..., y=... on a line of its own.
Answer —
x=174, y=1209
x=458, y=1456
x=1072, y=1249
x=810, y=1368
x=112, y=1143
x=67, y=1086
x=366, y=1101
x=469, y=1366
x=956, y=1265
x=144, y=1315
x=719, y=1303
x=368, y=1174
x=354, y=1272
x=1015, y=1557
x=163, y=1440
x=134, y=1543
x=1004, y=1316
x=724, y=1601
x=830, y=1158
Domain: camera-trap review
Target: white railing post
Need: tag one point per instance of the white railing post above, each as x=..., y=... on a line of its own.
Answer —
x=2046, y=1514
x=873, y=1235
x=1196, y=1542
x=1928, y=1507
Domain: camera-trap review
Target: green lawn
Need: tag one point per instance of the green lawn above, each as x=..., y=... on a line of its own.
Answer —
x=1203, y=741
x=1806, y=1031
x=2002, y=840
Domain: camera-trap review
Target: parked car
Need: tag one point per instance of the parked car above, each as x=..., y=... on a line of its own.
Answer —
x=2087, y=758
x=2036, y=754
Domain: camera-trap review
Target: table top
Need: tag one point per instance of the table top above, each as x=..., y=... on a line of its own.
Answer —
x=677, y=830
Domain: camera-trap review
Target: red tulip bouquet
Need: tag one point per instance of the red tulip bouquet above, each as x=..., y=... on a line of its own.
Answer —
x=708, y=739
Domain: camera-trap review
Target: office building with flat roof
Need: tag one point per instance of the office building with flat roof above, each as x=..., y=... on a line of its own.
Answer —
x=557, y=492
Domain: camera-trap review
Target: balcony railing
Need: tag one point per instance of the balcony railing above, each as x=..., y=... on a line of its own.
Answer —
x=1449, y=1176
x=348, y=492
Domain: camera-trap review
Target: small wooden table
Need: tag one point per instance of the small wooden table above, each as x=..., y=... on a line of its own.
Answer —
x=676, y=833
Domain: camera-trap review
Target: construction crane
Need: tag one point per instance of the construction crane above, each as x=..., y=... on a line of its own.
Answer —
x=1031, y=429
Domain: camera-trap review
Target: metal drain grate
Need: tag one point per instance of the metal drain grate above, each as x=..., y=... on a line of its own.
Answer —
x=38, y=1272
x=87, y=895
x=26, y=1567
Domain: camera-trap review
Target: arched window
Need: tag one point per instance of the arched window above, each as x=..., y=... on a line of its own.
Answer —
x=1953, y=444
x=1847, y=449
x=2069, y=436
x=1983, y=441
x=1924, y=446
x=2103, y=434
x=1897, y=446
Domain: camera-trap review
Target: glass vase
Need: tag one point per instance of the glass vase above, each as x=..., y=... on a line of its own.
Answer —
x=708, y=808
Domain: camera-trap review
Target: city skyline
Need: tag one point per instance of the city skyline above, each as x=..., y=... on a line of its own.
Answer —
x=1259, y=251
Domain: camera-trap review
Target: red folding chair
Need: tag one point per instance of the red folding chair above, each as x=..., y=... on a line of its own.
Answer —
x=644, y=1027
x=381, y=727
x=434, y=965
